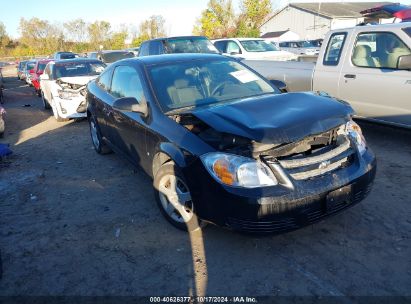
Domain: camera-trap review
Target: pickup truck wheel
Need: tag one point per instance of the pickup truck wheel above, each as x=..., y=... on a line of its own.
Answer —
x=96, y=138
x=56, y=113
x=46, y=104
x=174, y=199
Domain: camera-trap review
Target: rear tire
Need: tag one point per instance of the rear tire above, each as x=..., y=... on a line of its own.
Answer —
x=174, y=199
x=96, y=138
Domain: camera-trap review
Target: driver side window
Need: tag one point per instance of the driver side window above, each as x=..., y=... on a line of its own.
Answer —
x=233, y=47
x=127, y=83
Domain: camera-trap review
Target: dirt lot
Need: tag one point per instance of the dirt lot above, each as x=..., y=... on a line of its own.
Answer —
x=76, y=223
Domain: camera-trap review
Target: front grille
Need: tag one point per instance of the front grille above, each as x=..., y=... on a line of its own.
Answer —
x=296, y=218
x=252, y=226
x=323, y=160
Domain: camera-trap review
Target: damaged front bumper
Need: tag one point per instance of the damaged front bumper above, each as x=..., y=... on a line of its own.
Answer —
x=74, y=107
x=293, y=203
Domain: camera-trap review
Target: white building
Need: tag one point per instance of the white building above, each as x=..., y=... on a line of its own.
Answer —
x=280, y=36
x=314, y=20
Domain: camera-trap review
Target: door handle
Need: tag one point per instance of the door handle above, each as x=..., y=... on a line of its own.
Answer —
x=351, y=76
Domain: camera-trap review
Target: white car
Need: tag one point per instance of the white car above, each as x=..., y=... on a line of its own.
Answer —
x=252, y=49
x=63, y=86
x=29, y=66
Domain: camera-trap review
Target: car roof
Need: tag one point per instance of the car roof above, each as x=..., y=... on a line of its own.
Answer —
x=238, y=39
x=74, y=60
x=176, y=37
x=45, y=60
x=376, y=26
x=170, y=58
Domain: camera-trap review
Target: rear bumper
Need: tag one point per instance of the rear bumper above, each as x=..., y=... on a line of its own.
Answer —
x=279, y=209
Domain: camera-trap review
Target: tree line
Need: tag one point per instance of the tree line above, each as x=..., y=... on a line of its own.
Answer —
x=40, y=37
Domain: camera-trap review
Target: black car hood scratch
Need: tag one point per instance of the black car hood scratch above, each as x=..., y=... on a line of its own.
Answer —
x=277, y=119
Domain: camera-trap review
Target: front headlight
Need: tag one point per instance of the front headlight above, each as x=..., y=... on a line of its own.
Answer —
x=238, y=171
x=353, y=130
x=67, y=94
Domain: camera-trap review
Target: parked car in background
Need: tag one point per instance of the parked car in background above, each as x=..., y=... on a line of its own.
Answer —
x=226, y=146
x=64, y=55
x=110, y=56
x=252, y=49
x=304, y=47
x=63, y=86
x=38, y=70
x=368, y=66
x=92, y=55
x=135, y=50
x=20, y=69
x=28, y=70
x=181, y=44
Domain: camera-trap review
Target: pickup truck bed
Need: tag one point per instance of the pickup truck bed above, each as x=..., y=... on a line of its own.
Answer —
x=297, y=75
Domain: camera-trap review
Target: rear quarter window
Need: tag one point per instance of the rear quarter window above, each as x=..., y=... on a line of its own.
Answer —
x=334, y=49
x=407, y=30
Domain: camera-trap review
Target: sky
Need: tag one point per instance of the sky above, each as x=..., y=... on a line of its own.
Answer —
x=180, y=15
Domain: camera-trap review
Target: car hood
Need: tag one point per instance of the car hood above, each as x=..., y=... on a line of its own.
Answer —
x=272, y=55
x=277, y=119
x=78, y=80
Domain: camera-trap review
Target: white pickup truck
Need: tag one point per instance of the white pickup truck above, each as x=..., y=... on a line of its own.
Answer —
x=367, y=66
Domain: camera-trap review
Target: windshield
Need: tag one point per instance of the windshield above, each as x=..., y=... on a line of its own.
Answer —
x=190, y=45
x=258, y=46
x=204, y=82
x=67, y=56
x=115, y=56
x=41, y=66
x=308, y=44
x=30, y=65
x=73, y=69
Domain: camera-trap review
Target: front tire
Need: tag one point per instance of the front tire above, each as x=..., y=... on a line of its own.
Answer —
x=96, y=138
x=46, y=104
x=56, y=113
x=174, y=199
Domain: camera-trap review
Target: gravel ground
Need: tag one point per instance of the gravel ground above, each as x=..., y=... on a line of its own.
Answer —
x=76, y=223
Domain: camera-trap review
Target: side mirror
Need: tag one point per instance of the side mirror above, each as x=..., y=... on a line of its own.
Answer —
x=234, y=53
x=280, y=85
x=44, y=77
x=404, y=62
x=130, y=104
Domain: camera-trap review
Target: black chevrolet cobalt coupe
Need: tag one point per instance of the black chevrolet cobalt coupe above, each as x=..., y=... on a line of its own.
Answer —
x=225, y=146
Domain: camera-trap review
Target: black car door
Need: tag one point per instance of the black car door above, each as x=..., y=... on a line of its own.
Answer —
x=103, y=102
x=128, y=131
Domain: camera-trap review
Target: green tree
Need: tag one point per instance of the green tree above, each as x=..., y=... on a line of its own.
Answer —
x=76, y=30
x=117, y=40
x=40, y=37
x=253, y=14
x=153, y=27
x=5, y=42
x=217, y=20
x=99, y=34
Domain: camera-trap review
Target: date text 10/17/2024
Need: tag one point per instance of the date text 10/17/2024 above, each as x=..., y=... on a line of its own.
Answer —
x=204, y=299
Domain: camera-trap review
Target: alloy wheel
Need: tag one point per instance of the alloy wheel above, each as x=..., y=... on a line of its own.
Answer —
x=176, y=198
